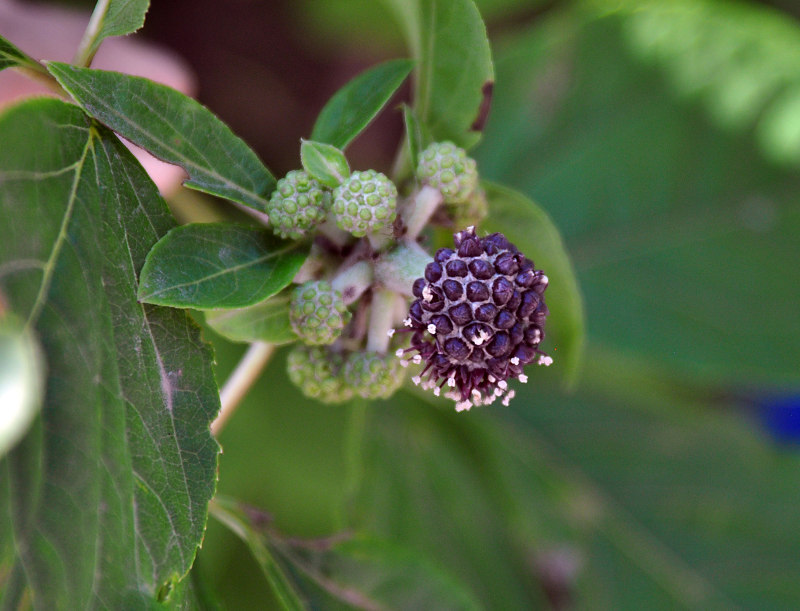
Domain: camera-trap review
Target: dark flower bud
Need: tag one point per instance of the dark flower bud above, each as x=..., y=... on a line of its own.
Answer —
x=417, y=287
x=481, y=269
x=453, y=289
x=460, y=314
x=433, y=271
x=443, y=254
x=477, y=291
x=456, y=268
x=502, y=290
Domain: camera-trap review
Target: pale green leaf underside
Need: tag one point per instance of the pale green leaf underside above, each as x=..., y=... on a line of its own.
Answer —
x=218, y=265
x=107, y=494
x=173, y=127
x=532, y=231
x=352, y=108
x=264, y=322
x=324, y=162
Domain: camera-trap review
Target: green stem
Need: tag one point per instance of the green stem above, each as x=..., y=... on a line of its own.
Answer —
x=240, y=381
x=381, y=319
x=352, y=281
x=419, y=212
x=88, y=45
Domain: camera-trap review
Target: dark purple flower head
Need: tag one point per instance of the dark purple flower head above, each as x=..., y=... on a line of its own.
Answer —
x=477, y=320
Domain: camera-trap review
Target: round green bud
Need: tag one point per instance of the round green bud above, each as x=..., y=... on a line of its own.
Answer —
x=298, y=204
x=373, y=376
x=446, y=167
x=365, y=202
x=317, y=312
x=317, y=372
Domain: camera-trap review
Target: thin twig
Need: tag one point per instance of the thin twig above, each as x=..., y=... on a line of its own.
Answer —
x=240, y=381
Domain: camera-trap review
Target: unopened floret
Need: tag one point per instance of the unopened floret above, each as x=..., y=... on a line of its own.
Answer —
x=446, y=167
x=298, y=204
x=317, y=312
x=317, y=372
x=366, y=202
x=373, y=376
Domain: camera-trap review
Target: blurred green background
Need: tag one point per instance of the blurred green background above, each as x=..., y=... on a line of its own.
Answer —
x=663, y=138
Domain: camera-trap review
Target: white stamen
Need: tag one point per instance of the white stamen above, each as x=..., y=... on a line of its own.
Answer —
x=523, y=378
x=416, y=380
x=492, y=379
x=390, y=332
x=416, y=359
x=432, y=329
x=399, y=352
x=403, y=363
x=544, y=280
x=471, y=229
x=476, y=393
x=506, y=400
x=427, y=293
x=451, y=382
x=502, y=384
x=514, y=360
x=545, y=360
x=437, y=391
x=407, y=322
x=463, y=405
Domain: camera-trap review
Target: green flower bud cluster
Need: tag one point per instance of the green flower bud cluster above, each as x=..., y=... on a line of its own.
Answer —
x=328, y=364
x=333, y=377
x=298, y=205
x=365, y=202
x=446, y=167
x=372, y=375
x=317, y=312
x=317, y=372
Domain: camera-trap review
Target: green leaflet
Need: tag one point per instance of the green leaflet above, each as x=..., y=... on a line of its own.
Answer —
x=352, y=108
x=173, y=127
x=10, y=56
x=111, y=18
x=455, y=76
x=107, y=494
x=324, y=162
x=218, y=265
x=267, y=321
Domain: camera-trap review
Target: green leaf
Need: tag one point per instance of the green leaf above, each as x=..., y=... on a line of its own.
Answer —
x=173, y=127
x=532, y=231
x=111, y=18
x=352, y=108
x=455, y=76
x=218, y=265
x=414, y=140
x=108, y=492
x=264, y=322
x=230, y=514
x=21, y=378
x=10, y=56
x=324, y=162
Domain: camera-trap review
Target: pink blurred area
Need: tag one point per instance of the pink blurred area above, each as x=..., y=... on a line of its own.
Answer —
x=53, y=33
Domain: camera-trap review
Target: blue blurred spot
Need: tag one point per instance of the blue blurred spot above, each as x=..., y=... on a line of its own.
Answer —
x=780, y=417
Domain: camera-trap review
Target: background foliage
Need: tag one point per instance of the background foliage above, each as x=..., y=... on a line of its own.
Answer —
x=662, y=144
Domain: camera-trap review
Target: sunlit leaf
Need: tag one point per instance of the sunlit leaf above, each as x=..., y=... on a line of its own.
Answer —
x=108, y=492
x=352, y=108
x=218, y=265
x=173, y=127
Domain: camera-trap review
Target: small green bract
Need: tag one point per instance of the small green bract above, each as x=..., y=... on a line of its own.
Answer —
x=317, y=312
x=317, y=372
x=372, y=375
x=446, y=167
x=365, y=203
x=298, y=204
